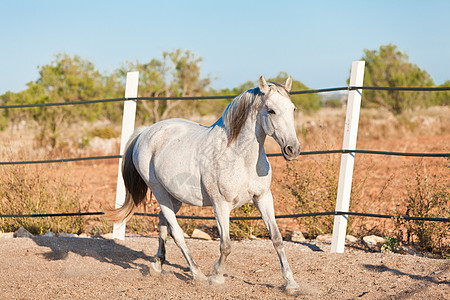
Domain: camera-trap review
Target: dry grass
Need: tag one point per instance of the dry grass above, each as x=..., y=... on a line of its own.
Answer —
x=427, y=196
x=380, y=181
x=25, y=191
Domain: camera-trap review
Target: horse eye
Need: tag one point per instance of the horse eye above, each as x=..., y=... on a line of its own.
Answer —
x=271, y=111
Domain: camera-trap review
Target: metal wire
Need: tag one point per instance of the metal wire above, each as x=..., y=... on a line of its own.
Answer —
x=314, y=91
x=62, y=160
x=332, y=213
x=404, y=89
x=52, y=215
x=368, y=152
x=437, y=89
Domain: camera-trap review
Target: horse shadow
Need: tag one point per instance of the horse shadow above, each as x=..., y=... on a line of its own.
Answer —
x=311, y=246
x=410, y=292
x=383, y=268
x=103, y=250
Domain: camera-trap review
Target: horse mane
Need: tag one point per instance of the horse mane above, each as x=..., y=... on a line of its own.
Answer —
x=237, y=112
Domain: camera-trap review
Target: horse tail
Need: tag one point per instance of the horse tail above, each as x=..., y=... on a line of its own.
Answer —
x=135, y=186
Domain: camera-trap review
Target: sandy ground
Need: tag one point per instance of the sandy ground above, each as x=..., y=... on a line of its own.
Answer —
x=81, y=268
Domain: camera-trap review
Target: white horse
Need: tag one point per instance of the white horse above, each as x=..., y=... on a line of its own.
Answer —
x=224, y=166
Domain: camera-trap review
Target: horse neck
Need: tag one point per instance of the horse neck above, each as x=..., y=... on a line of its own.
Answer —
x=244, y=134
x=251, y=138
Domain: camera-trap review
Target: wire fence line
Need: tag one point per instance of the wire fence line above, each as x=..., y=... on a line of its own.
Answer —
x=315, y=214
x=342, y=151
x=61, y=160
x=314, y=91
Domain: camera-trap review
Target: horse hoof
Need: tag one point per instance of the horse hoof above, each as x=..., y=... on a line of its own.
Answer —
x=156, y=267
x=295, y=289
x=217, y=279
x=292, y=288
x=200, y=277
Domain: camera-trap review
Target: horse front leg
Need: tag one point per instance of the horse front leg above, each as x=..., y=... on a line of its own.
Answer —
x=265, y=206
x=223, y=224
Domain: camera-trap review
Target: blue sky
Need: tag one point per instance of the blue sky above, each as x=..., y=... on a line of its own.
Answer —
x=315, y=41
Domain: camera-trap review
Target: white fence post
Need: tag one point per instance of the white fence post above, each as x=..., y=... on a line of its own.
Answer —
x=347, y=159
x=129, y=115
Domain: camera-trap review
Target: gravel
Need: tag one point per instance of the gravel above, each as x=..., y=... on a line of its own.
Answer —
x=97, y=268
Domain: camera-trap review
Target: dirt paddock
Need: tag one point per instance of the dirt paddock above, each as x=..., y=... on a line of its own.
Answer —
x=56, y=267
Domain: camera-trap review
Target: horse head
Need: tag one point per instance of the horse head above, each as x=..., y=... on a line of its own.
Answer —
x=277, y=116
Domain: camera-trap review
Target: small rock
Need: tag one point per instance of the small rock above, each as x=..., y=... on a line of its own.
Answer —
x=7, y=235
x=67, y=235
x=324, y=238
x=22, y=232
x=405, y=249
x=48, y=234
x=83, y=235
x=252, y=237
x=198, y=234
x=374, y=242
x=350, y=239
x=108, y=236
x=297, y=236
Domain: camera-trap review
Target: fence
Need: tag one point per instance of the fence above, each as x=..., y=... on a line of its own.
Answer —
x=348, y=152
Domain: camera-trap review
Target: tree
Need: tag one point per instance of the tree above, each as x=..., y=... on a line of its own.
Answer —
x=306, y=102
x=66, y=79
x=70, y=79
x=216, y=107
x=390, y=67
x=443, y=97
x=177, y=74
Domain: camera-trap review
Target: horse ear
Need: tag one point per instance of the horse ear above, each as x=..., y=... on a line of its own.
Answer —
x=263, y=86
x=288, y=84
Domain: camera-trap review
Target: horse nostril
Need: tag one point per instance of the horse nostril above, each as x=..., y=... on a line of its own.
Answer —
x=289, y=150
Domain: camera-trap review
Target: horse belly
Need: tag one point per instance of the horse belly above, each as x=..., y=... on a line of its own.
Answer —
x=180, y=176
x=186, y=187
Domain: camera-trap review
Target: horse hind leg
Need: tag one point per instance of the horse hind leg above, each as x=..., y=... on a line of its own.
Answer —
x=161, y=254
x=169, y=207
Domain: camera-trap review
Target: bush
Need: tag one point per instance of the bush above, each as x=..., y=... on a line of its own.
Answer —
x=241, y=229
x=332, y=103
x=427, y=196
x=25, y=192
x=104, y=132
x=315, y=190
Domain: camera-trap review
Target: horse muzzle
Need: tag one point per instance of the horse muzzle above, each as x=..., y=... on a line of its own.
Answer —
x=291, y=152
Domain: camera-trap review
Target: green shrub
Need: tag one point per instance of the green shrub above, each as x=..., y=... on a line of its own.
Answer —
x=241, y=229
x=391, y=244
x=104, y=132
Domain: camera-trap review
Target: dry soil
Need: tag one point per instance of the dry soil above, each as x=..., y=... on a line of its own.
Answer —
x=89, y=268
